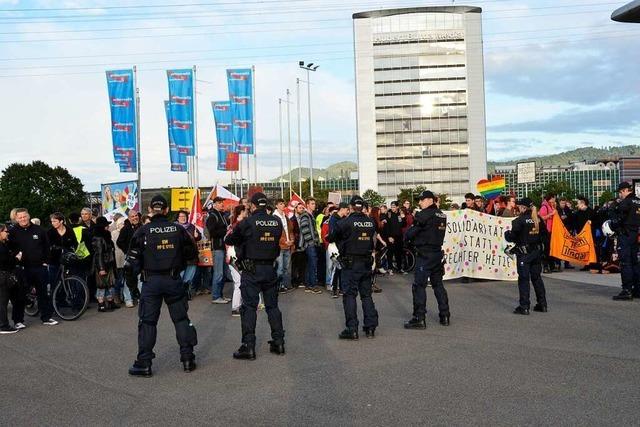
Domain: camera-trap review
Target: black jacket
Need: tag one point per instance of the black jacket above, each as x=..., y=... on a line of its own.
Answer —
x=104, y=251
x=7, y=257
x=394, y=225
x=581, y=218
x=126, y=234
x=58, y=243
x=217, y=226
x=32, y=242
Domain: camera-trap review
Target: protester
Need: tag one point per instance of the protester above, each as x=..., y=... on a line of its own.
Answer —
x=547, y=212
x=121, y=286
x=11, y=289
x=61, y=239
x=470, y=202
x=191, y=266
x=287, y=246
x=30, y=244
x=104, y=265
x=509, y=210
x=240, y=212
x=395, y=222
x=307, y=241
x=83, y=251
x=87, y=218
x=480, y=203
x=217, y=226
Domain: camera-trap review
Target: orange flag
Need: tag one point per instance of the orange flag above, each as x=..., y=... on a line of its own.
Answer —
x=579, y=249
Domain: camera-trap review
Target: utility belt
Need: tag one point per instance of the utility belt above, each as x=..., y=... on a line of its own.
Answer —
x=527, y=249
x=348, y=261
x=249, y=265
x=174, y=273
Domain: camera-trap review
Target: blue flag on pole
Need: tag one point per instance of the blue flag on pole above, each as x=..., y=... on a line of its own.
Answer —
x=178, y=161
x=224, y=135
x=240, y=82
x=123, y=119
x=181, y=110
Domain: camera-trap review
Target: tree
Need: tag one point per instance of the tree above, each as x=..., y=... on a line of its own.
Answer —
x=319, y=194
x=445, y=201
x=559, y=188
x=605, y=197
x=410, y=194
x=41, y=189
x=373, y=198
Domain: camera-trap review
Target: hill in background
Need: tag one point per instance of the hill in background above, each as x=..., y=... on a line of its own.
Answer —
x=336, y=171
x=588, y=154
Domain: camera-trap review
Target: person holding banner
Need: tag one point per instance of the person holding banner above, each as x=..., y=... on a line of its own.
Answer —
x=427, y=234
x=625, y=223
x=529, y=233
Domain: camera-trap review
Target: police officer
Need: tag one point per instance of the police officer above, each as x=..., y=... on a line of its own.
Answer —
x=625, y=222
x=427, y=235
x=257, y=239
x=528, y=232
x=162, y=249
x=355, y=238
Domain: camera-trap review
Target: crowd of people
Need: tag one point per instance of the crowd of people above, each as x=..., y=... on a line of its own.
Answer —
x=30, y=257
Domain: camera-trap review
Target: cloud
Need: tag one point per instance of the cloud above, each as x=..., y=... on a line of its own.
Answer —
x=606, y=119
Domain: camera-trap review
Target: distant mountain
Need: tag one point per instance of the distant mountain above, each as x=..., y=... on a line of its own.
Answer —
x=588, y=154
x=335, y=171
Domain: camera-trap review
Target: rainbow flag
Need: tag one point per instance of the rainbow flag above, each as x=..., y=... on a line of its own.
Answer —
x=491, y=189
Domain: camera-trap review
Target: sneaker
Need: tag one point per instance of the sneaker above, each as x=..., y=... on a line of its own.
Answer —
x=8, y=330
x=235, y=313
x=382, y=271
x=220, y=301
x=19, y=325
x=376, y=289
x=315, y=290
x=334, y=296
x=329, y=288
x=301, y=286
x=404, y=272
x=129, y=304
x=260, y=306
x=391, y=273
x=50, y=322
x=226, y=299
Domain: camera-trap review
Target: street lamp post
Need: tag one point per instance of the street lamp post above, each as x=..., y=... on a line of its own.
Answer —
x=309, y=67
x=281, y=162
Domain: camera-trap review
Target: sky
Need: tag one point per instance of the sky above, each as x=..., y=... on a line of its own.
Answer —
x=558, y=75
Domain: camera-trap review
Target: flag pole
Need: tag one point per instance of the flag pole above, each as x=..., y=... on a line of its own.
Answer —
x=255, y=137
x=281, y=152
x=196, y=178
x=289, y=138
x=299, y=137
x=137, y=101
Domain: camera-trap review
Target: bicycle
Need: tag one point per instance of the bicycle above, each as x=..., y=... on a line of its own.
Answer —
x=408, y=255
x=70, y=296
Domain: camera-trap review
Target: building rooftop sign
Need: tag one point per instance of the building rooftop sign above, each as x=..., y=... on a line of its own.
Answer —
x=418, y=36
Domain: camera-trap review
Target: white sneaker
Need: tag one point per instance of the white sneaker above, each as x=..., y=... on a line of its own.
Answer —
x=260, y=306
x=220, y=301
x=8, y=330
x=19, y=325
x=391, y=273
x=382, y=271
x=129, y=304
x=226, y=299
x=50, y=322
x=329, y=288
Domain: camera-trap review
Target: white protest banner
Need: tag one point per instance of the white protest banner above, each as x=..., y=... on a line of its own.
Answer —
x=474, y=246
x=334, y=197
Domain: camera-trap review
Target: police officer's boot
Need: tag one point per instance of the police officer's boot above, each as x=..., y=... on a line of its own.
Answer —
x=540, y=308
x=625, y=295
x=370, y=332
x=189, y=364
x=276, y=347
x=415, y=323
x=245, y=353
x=140, y=369
x=348, y=334
x=521, y=310
x=445, y=319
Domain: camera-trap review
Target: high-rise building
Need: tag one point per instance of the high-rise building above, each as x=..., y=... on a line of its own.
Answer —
x=420, y=99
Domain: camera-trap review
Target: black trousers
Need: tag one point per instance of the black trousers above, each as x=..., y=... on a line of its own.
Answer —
x=265, y=280
x=357, y=280
x=172, y=291
x=38, y=277
x=530, y=270
x=396, y=253
x=629, y=266
x=429, y=267
x=11, y=289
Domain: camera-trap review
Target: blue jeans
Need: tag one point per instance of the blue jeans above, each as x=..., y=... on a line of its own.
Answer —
x=217, y=282
x=312, y=266
x=188, y=274
x=284, y=271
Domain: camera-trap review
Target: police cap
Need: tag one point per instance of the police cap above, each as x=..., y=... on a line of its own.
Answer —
x=159, y=203
x=259, y=199
x=357, y=201
x=525, y=201
x=624, y=185
x=427, y=195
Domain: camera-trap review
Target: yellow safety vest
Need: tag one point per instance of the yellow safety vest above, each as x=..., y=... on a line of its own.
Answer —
x=82, y=251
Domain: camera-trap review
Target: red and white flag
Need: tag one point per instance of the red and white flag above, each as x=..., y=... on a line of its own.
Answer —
x=195, y=216
x=218, y=190
x=291, y=208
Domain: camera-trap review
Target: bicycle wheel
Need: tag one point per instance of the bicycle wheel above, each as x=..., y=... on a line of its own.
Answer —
x=70, y=298
x=409, y=260
x=31, y=303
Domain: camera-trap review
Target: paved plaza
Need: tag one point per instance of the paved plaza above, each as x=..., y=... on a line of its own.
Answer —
x=579, y=364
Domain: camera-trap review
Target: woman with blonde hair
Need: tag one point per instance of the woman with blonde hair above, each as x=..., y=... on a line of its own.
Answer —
x=528, y=232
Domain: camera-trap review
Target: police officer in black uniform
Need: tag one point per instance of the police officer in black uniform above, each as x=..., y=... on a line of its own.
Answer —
x=625, y=222
x=427, y=235
x=256, y=240
x=355, y=238
x=161, y=249
x=528, y=232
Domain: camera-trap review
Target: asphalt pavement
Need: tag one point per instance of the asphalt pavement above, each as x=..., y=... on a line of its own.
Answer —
x=578, y=364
